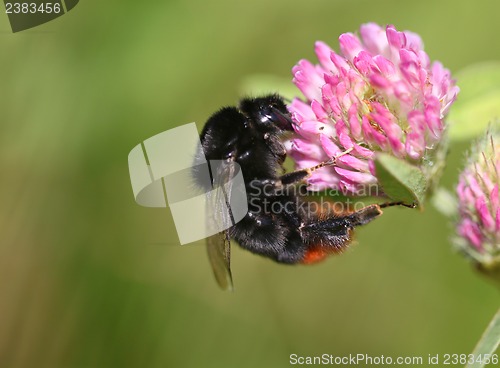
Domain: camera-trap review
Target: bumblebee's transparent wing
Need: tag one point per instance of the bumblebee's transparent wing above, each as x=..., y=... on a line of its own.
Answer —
x=219, y=255
x=219, y=215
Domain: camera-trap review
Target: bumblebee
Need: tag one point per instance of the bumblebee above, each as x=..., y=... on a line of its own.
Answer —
x=277, y=225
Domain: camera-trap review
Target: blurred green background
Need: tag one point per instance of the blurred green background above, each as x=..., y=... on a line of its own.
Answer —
x=90, y=279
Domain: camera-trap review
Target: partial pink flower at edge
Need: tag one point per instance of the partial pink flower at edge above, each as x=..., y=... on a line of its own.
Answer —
x=478, y=194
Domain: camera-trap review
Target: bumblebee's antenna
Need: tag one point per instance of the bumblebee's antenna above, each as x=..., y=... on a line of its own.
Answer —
x=391, y=204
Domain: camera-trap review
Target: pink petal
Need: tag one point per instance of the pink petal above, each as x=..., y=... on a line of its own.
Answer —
x=363, y=152
x=363, y=62
x=319, y=111
x=358, y=177
x=372, y=135
x=465, y=196
x=494, y=199
x=385, y=66
x=330, y=101
x=346, y=141
x=301, y=111
x=339, y=62
x=308, y=149
x=341, y=129
x=353, y=163
x=349, y=187
x=323, y=51
x=484, y=214
x=471, y=232
x=311, y=129
x=371, y=165
x=413, y=41
x=461, y=191
x=354, y=123
x=330, y=148
x=323, y=179
x=409, y=67
x=350, y=46
x=379, y=81
x=395, y=38
x=374, y=38
x=439, y=78
x=307, y=78
x=405, y=93
x=449, y=99
x=475, y=187
x=497, y=221
x=432, y=111
x=415, y=139
x=384, y=118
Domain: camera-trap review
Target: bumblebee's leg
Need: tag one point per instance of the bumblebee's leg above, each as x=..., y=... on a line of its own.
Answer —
x=299, y=175
x=390, y=204
x=288, y=180
x=333, y=233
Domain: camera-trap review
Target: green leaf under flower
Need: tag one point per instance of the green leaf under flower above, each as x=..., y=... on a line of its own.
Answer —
x=400, y=181
x=478, y=102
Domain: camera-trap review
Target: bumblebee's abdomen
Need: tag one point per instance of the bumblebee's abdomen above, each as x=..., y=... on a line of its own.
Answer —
x=271, y=226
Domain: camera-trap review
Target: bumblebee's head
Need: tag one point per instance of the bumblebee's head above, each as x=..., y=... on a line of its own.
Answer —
x=269, y=112
x=222, y=133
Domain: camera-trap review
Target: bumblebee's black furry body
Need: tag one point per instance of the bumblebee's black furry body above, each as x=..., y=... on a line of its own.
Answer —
x=275, y=226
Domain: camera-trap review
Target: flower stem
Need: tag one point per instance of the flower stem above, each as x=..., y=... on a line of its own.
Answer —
x=488, y=344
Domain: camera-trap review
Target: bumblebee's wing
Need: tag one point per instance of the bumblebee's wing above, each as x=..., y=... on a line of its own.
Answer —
x=219, y=255
x=219, y=213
